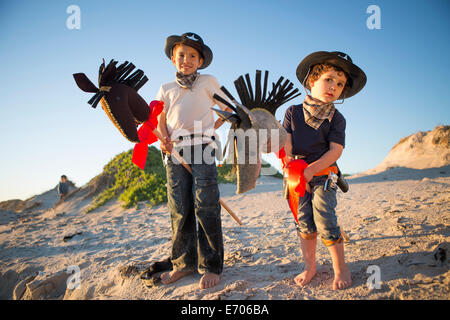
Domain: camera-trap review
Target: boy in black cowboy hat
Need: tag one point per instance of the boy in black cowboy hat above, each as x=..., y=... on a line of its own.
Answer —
x=316, y=134
x=187, y=122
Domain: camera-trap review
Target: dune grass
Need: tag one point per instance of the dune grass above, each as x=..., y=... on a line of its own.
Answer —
x=132, y=185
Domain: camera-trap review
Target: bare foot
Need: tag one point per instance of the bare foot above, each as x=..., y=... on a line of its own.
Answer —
x=209, y=280
x=342, y=275
x=309, y=255
x=172, y=276
x=342, y=280
x=305, y=277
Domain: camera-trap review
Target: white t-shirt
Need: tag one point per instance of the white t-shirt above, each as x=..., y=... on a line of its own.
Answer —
x=188, y=111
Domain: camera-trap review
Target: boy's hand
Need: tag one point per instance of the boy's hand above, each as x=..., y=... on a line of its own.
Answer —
x=288, y=158
x=308, y=174
x=166, y=145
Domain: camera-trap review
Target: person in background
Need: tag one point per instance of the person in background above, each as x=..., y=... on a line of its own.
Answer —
x=63, y=188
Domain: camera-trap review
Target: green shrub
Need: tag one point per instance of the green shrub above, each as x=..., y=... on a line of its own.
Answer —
x=225, y=173
x=131, y=184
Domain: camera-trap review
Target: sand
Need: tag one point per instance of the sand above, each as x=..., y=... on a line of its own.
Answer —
x=397, y=220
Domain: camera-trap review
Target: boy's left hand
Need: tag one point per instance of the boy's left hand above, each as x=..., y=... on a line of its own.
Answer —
x=308, y=174
x=287, y=159
x=166, y=145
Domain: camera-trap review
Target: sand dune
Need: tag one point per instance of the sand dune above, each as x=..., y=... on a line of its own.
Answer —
x=421, y=150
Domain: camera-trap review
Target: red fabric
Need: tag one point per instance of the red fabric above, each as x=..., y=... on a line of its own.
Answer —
x=146, y=135
x=296, y=184
x=281, y=154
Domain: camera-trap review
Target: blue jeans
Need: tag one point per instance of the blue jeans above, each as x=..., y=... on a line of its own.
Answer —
x=194, y=199
x=316, y=211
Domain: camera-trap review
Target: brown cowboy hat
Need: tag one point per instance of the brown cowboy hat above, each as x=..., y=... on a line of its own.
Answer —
x=356, y=77
x=192, y=40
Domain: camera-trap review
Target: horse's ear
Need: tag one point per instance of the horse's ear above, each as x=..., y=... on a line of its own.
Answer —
x=227, y=116
x=84, y=83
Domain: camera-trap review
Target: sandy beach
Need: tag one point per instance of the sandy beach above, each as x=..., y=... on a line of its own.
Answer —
x=397, y=220
x=95, y=92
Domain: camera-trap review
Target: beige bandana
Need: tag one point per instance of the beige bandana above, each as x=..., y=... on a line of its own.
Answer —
x=315, y=114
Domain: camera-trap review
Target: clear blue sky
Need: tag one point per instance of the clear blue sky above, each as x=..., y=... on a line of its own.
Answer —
x=48, y=129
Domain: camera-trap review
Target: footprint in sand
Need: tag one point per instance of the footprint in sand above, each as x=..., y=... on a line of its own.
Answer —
x=237, y=290
x=242, y=255
x=403, y=223
x=371, y=219
x=402, y=220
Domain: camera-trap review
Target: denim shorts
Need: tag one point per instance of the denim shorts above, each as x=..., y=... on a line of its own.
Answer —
x=317, y=211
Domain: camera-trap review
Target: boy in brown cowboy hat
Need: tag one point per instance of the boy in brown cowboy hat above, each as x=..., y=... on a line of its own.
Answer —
x=316, y=134
x=187, y=107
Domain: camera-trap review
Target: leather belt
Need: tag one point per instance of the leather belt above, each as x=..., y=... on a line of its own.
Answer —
x=192, y=136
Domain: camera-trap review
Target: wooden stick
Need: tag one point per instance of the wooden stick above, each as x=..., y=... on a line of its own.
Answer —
x=232, y=214
x=189, y=169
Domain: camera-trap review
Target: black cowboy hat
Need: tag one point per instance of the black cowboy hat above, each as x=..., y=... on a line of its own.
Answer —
x=356, y=77
x=192, y=40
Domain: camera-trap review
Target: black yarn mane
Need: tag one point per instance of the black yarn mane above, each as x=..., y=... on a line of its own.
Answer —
x=110, y=75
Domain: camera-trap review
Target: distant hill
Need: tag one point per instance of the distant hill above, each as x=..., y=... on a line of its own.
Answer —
x=421, y=150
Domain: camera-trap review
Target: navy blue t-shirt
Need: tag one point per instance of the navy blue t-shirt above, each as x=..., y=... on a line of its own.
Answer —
x=310, y=143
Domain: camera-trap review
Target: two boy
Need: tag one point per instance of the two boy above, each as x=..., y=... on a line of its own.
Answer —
x=316, y=133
